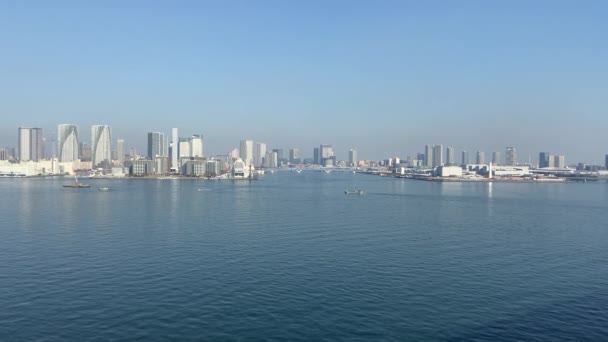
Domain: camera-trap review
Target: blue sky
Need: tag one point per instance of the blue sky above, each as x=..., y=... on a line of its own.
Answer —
x=385, y=77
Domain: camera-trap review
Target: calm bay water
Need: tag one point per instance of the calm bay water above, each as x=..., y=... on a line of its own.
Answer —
x=291, y=258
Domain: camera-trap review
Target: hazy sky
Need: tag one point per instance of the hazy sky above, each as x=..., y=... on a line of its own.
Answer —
x=385, y=77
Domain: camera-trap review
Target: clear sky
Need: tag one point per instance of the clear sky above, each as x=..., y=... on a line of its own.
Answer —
x=385, y=77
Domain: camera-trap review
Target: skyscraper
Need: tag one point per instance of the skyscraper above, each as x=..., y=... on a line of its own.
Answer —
x=496, y=158
x=543, y=159
x=196, y=144
x=30, y=144
x=156, y=145
x=246, y=152
x=352, y=157
x=428, y=156
x=259, y=153
x=326, y=154
x=174, y=149
x=510, y=156
x=101, y=145
x=279, y=152
x=437, y=155
x=294, y=156
x=606, y=162
x=316, y=156
x=120, y=151
x=465, y=158
x=184, y=147
x=481, y=158
x=67, y=142
x=451, y=159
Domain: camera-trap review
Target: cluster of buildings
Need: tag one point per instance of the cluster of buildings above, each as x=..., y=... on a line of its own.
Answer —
x=166, y=155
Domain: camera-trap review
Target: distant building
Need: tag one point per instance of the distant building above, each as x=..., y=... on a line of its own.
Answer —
x=67, y=142
x=437, y=155
x=141, y=167
x=496, y=158
x=184, y=148
x=279, y=152
x=120, y=151
x=326, y=153
x=101, y=146
x=510, y=156
x=174, y=149
x=271, y=160
x=294, y=156
x=259, y=152
x=30, y=145
x=196, y=146
x=157, y=145
x=450, y=157
x=481, y=157
x=316, y=156
x=465, y=158
x=246, y=152
x=352, y=158
x=543, y=159
x=428, y=156
x=84, y=152
x=449, y=171
x=606, y=162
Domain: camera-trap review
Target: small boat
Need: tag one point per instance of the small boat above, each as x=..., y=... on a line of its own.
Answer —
x=299, y=170
x=354, y=192
x=103, y=188
x=76, y=184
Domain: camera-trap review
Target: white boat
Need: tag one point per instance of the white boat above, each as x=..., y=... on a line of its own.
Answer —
x=103, y=188
x=354, y=192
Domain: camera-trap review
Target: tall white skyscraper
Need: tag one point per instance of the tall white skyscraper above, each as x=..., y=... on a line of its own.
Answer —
x=30, y=145
x=246, y=152
x=428, y=155
x=196, y=146
x=481, y=157
x=259, y=152
x=67, y=142
x=120, y=151
x=184, y=147
x=174, y=149
x=101, y=145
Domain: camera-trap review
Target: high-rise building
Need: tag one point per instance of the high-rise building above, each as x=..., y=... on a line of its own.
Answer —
x=437, y=155
x=120, y=151
x=4, y=154
x=101, y=145
x=543, y=159
x=184, y=147
x=428, y=156
x=196, y=143
x=294, y=156
x=510, y=156
x=556, y=161
x=259, y=153
x=174, y=149
x=271, y=160
x=30, y=145
x=606, y=162
x=451, y=159
x=84, y=152
x=465, y=158
x=352, y=157
x=67, y=142
x=156, y=145
x=481, y=158
x=496, y=158
x=279, y=152
x=326, y=154
x=316, y=156
x=246, y=152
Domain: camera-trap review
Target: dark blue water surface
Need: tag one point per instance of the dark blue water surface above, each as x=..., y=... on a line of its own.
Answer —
x=290, y=257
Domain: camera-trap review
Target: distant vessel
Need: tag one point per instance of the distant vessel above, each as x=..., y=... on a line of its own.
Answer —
x=299, y=170
x=327, y=171
x=103, y=188
x=76, y=184
x=354, y=192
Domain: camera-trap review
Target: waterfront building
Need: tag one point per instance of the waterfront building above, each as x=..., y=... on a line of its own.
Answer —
x=543, y=159
x=67, y=142
x=174, y=149
x=271, y=160
x=4, y=153
x=156, y=145
x=183, y=148
x=259, y=152
x=450, y=157
x=101, y=146
x=449, y=171
x=316, y=156
x=120, y=151
x=141, y=167
x=246, y=152
x=84, y=151
x=212, y=168
x=428, y=156
x=161, y=165
x=352, y=158
x=326, y=154
x=279, y=152
x=606, y=162
x=496, y=158
x=294, y=156
x=465, y=158
x=30, y=145
x=196, y=146
x=437, y=155
x=481, y=158
x=510, y=156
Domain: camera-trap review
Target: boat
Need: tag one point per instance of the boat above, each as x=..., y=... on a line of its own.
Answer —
x=299, y=170
x=76, y=184
x=103, y=188
x=354, y=192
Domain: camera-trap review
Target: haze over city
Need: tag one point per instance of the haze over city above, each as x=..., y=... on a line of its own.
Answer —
x=386, y=78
